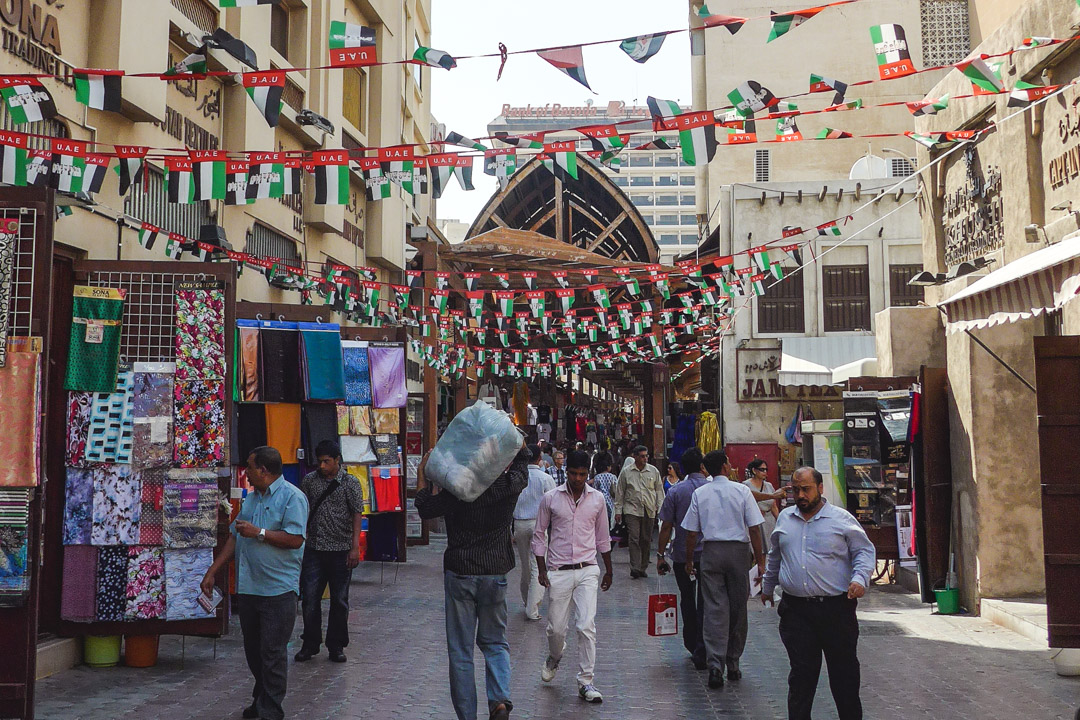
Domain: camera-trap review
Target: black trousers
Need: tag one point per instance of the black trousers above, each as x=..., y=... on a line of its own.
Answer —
x=267, y=624
x=323, y=567
x=693, y=612
x=810, y=629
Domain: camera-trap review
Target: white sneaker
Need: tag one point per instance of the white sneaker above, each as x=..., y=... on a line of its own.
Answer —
x=547, y=673
x=589, y=693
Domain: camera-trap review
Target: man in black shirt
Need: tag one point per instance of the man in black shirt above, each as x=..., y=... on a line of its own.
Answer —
x=479, y=553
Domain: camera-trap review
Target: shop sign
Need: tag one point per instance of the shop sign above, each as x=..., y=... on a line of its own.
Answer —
x=31, y=32
x=973, y=214
x=1065, y=168
x=757, y=372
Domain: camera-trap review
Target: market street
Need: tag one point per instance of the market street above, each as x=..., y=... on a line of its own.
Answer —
x=914, y=665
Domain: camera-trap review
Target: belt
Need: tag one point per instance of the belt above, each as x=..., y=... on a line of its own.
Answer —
x=815, y=598
x=575, y=566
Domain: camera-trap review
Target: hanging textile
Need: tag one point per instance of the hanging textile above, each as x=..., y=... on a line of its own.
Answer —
x=110, y=434
x=78, y=427
x=112, y=583
x=144, y=595
x=248, y=367
x=357, y=449
x=386, y=450
x=279, y=365
x=387, y=366
x=117, y=505
x=361, y=421
x=94, y=345
x=320, y=423
x=78, y=592
x=200, y=331
x=342, y=419
x=199, y=423
x=14, y=568
x=152, y=419
x=382, y=538
x=184, y=571
x=322, y=362
x=283, y=430
x=20, y=418
x=707, y=433
x=521, y=404
x=9, y=242
x=189, y=515
x=387, y=421
x=78, y=506
x=386, y=483
x=357, y=374
x=250, y=429
x=360, y=472
x=151, y=520
x=685, y=435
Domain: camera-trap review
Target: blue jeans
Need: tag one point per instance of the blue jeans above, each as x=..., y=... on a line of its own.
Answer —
x=476, y=612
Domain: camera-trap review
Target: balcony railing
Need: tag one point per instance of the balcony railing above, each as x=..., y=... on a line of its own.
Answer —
x=293, y=96
x=200, y=12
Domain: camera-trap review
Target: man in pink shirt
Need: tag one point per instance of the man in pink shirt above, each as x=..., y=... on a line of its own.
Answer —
x=573, y=517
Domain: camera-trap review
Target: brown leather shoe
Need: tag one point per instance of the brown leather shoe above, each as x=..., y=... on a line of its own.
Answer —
x=501, y=712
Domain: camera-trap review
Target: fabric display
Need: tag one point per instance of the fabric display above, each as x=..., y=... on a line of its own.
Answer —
x=117, y=505
x=357, y=376
x=78, y=506
x=144, y=595
x=200, y=332
x=189, y=515
x=192, y=476
x=94, y=345
x=8, y=247
x=387, y=421
x=360, y=472
x=247, y=370
x=283, y=430
x=382, y=539
x=199, y=423
x=357, y=449
x=78, y=427
x=342, y=419
x=386, y=449
x=320, y=423
x=110, y=433
x=361, y=421
x=14, y=568
x=387, y=367
x=322, y=368
x=386, y=488
x=293, y=474
x=250, y=429
x=279, y=364
x=20, y=416
x=152, y=419
x=112, y=583
x=14, y=506
x=78, y=596
x=151, y=520
x=184, y=571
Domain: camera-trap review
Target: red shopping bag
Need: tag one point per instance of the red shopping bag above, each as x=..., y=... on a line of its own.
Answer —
x=663, y=614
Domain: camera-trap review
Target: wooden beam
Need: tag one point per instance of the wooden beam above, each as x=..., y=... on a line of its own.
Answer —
x=498, y=220
x=560, y=212
x=612, y=227
x=543, y=219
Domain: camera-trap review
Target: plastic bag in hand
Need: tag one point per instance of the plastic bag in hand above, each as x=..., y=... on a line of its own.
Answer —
x=477, y=446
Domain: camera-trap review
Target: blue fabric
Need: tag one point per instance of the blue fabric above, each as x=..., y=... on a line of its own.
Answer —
x=357, y=377
x=263, y=569
x=476, y=612
x=323, y=369
x=685, y=436
x=676, y=503
x=293, y=474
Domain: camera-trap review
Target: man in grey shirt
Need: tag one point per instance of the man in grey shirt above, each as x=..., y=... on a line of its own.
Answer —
x=528, y=502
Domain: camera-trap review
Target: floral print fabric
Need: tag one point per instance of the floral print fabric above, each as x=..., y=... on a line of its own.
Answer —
x=109, y=437
x=117, y=505
x=343, y=419
x=112, y=575
x=184, y=571
x=78, y=506
x=152, y=412
x=190, y=515
x=145, y=592
x=200, y=423
x=78, y=427
x=14, y=574
x=200, y=334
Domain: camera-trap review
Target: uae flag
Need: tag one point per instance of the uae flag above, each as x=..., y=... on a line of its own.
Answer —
x=643, y=47
x=985, y=78
x=501, y=163
x=442, y=167
x=442, y=280
x=793, y=252
x=849, y=105
x=331, y=177
x=236, y=183
x=439, y=299
x=632, y=285
x=730, y=22
x=777, y=271
x=566, y=297
x=697, y=136
x=832, y=134
x=784, y=109
x=130, y=167
x=829, y=228
x=928, y=107
x=292, y=177
x=193, y=64
x=530, y=141
x=27, y=99
x=530, y=279
x=662, y=111
x=246, y=3
x=1024, y=93
x=434, y=58
x=660, y=282
x=1033, y=42
x=561, y=278
x=174, y=246
x=148, y=235
x=476, y=303
x=600, y=296
x=351, y=45
x=820, y=83
x=750, y=97
x=568, y=60
x=463, y=165
x=14, y=153
x=760, y=255
x=787, y=130
x=266, y=175
x=757, y=282
x=536, y=303
x=99, y=89
x=561, y=159
x=657, y=144
x=397, y=165
x=890, y=45
x=472, y=280
x=376, y=182
x=783, y=24
x=208, y=169
x=454, y=138
x=504, y=302
x=265, y=90
x=603, y=137
x=75, y=171
x=39, y=168
x=420, y=176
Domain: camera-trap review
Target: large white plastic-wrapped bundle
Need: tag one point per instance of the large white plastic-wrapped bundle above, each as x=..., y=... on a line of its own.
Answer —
x=477, y=446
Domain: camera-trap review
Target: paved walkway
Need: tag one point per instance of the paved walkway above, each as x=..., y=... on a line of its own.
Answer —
x=915, y=665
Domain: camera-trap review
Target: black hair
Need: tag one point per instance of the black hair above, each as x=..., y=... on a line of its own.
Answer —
x=691, y=460
x=602, y=462
x=534, y=453
x=639, y=448
x=715, y=462
x=267, y=458
x=813, y=473
x=328, y=448
x=577, y=460
x=755, y=464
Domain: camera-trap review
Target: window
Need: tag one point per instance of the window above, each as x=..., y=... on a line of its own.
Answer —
x=279, y=29
x=685, y=180
x=663, y=219
x=667, y=239
x=417, y=70
x=354, y=97
x=266, y=243
x=640, y=159
x=900, y=293
x=620, y=181
x=667, y=160
x=152, y=206
x=781, y=308
x=687, y=199
x=901, y=167
x=648, y=218
x=945, y=32
x=641, y=199
x=846, y=297
x=762, y=166
x=667, y=199
x=667, y=180
x=690, y=239
x=685, y=219
x=641, y=181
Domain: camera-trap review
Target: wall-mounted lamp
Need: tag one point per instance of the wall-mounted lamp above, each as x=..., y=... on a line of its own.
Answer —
x=1031, y=233
x=926, y=279
x=1063, y=207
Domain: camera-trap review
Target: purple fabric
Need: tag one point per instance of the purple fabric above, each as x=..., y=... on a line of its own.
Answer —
x=78, y=596
x=387, y=367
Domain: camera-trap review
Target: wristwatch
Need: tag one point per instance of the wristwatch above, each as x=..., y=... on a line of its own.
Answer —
x=261, y=537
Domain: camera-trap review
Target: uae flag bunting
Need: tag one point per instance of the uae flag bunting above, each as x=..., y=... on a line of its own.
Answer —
x=1025, y=92
x=741, y=133
x=787, y=130
x=503, y=278
x=643, y=47
x=420, y=176
x=179, y=180
x=130, y=166
x=500, y=163
x=928, y=107
x=849, y=105
x=441, y=167
x=265, y=90
x=292, y=177
x=414, y=278
x=560, y=277
x=564, y=158
x=266, y=175
x=697, y=136
x=777, y=271
x=632, y=285
x=371, y=296
x=331, y=177
x=603, y=137
x=783, y=109
x=750, y=97
x=27, y=99
x=504, y=302
x=985, y=78
x=793, y=252
x=67, y=156
x=829, y=228
x=208, y=169
x=530, y=141
x=891, y=47
x=832, y=134
x=732, y=23
x=820, y=83
x=566, y=298
x=568, y=60
x=530, y=279
x=454, y=138
x=193, y=64
x=783, y=24
x=662, y=111
x=99, y=89
x=376, y=182
x=657, y=144
x=236, y=183
x=1033, y=42
x=536, y=303
x=246, y=3
x=148, y=235
x=757, y=282
x=661, y=284
x=472, y=279
x=174, y=246
x=442, y=280
x=401, y=296
x=439, y=299
x=351, y=45
x=434, y=58
x=14, y=153
x=463, y=167
x=600, y=296
x=476, y=303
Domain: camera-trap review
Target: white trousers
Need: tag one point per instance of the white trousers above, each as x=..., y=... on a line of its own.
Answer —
x=532, y=592
x=579, y=588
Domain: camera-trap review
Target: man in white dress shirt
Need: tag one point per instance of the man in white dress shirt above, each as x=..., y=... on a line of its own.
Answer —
x=528, y=503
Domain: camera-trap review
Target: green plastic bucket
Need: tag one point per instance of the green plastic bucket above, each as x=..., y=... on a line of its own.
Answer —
x=948, y=601
x=101, y=650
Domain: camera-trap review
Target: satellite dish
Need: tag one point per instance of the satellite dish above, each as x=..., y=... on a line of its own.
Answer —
x=868, y=167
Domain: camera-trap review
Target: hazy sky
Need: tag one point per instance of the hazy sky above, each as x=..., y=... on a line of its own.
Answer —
x=466, y=98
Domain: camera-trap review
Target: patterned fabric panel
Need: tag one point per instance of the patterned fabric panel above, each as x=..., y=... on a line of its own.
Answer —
x=184, y=571
x=151, y=521
x=190, y=516
x=117, y=505
x=145, y=592
x=200, y=334
x=200, y=423
x=78, y=506
x=112, y=583
x=78, y=427
x=110, y=431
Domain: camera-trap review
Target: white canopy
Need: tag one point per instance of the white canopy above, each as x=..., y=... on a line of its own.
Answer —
x=811, y=360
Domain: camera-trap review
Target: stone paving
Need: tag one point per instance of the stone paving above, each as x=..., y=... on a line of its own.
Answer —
x=914, y=665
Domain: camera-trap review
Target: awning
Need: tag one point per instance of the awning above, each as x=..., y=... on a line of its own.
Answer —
x=811, y=360
x=866, y=367
x=1043, y=280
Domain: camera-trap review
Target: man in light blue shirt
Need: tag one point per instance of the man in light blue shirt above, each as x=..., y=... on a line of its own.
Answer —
x=267, y=541
x=822, y=559
x=532, y=592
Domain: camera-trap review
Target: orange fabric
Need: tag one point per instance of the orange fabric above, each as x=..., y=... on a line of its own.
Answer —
x=521, y=403
x=283, y=430
x=249, y=363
